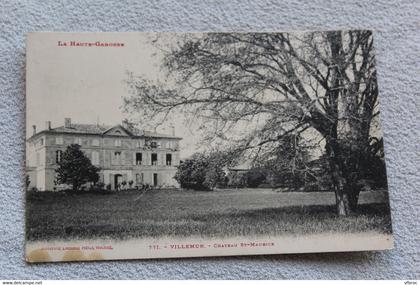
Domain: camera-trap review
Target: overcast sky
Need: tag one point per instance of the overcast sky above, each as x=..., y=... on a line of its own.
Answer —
x=86, y=84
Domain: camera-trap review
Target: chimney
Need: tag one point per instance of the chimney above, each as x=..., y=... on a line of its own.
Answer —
x=34, y=130
x=48, y=125
x=67, y=122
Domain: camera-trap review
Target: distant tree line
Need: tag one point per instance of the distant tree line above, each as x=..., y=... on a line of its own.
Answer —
x=208, y=171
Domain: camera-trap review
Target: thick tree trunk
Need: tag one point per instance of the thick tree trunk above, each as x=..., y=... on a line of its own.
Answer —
x=342, y=202
x=343, y=178
x=347, y=136
x=347, y=196
x=342, y=199
x=353, y=196
x=76, y=186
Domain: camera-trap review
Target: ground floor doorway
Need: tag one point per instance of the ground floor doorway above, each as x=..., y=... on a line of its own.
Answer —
x=155, y=179
x=117, y=181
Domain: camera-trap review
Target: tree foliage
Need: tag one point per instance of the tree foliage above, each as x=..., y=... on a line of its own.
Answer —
x=200, y=172
x=288, y=163
x=75, y=168
x=273, y=85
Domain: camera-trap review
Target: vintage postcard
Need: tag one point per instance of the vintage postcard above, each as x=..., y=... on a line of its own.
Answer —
x=158, y=145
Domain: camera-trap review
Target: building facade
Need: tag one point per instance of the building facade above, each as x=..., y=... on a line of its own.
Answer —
x=122, y=154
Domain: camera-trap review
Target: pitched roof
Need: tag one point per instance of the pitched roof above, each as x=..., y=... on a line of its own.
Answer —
x=95, y=129
x=81, y=129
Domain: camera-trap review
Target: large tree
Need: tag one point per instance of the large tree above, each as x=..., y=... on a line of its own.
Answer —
x=272, y=85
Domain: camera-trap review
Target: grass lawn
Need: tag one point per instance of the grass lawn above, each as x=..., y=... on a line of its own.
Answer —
x=222, y=213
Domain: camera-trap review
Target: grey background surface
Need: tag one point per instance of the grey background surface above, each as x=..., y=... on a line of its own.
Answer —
x=397, y=25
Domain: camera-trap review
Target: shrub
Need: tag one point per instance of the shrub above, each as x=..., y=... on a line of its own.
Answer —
x=100, y=186
x=200, y=172
x=265, y=185
x=237, y=179
x=311, y=187
x=27, y=182
x=255, y=177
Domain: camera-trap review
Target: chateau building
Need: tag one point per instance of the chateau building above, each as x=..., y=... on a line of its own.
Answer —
x=122, y=154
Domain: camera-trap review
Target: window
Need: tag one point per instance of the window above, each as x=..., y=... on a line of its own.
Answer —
x=117, y=143
x=58, y=155
x=139, y=158
x=172, y=145
x=168, y=159
x=95, y=142
x=59, y=140
x=78, y=141
x=139, y=178
x=139, y=144
x=95, y=157
x=154, y=159
x=117, y=158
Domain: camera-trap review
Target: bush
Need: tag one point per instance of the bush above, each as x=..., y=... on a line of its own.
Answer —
x=237, y=179
x=255, y=177
x=200, y=173
x=98, y=186
x=27, y=182
x=311, y=187
x=265, y=185
x=252, y=178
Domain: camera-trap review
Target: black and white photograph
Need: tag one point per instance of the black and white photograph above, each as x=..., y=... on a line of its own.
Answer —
x=161, y=145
